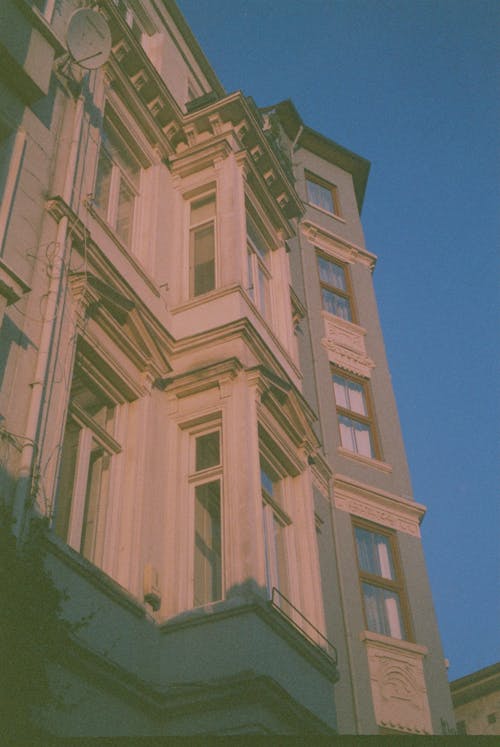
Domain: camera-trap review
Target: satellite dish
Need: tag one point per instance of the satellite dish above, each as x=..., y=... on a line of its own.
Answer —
x=88, y=38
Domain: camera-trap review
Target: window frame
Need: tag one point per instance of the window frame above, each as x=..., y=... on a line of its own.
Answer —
x=257, y=267
x=395, y=586
x=346, y=295
x=329, y=187
x=198, y=478
x=90, y=432
x=113, y=143
x=367, y=419
x=273, y=516
x=196, y=227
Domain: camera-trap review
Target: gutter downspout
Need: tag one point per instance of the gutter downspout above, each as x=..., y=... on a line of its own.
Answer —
x=31, y=449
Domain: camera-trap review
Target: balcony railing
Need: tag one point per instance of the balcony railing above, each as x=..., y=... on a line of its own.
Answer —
x=305, y=626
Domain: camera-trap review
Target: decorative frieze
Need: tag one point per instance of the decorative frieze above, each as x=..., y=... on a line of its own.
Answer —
x=345, y=345
x=398, y=684
x=336, y=246
x=378, y=506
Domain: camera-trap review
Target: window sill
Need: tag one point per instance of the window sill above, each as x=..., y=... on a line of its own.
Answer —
x=327, y=212
x=368, y=461
x=393, y=643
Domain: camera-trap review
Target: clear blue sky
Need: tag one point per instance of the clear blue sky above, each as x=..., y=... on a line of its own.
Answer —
x=412, y=85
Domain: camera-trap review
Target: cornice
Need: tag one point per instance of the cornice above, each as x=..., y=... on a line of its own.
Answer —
x=377, y=505
x=336, y=246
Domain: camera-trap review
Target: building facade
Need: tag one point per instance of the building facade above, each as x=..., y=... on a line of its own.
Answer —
x=195, y=393
x=476, y=700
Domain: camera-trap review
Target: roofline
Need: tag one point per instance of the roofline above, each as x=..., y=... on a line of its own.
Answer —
x=323, y=146
x=194, y=46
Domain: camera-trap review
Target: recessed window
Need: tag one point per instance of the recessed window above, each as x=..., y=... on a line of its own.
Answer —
x=381, y=585
x=83, y=485
x=207, y=486
x=322, y=195
x=335, y=288
x=258, y=271
x=117, y=183
x=275, y=523
x=202, y=245
x=354, y=415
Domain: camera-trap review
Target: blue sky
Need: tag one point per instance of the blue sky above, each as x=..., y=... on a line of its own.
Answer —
x=412, y=85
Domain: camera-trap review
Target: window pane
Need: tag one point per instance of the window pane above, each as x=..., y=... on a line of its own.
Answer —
x=336, y=304
x=266, y=482
x=320, y=196
x=203, y=248
x=374, y=553
x=280, y=552
x=262, y=291
x=255, y=238
x=125, y=212
x=251, y=288
x=92, y=527
x=383, y=611
x=66, y=480
x=356, y=398
x=207, y=551
x=332, y=274
x=356, y=436
x=207, y=451
x=340, y=391
x=103, y=182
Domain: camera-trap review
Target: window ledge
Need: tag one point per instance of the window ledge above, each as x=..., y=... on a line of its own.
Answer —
x=326, y=212
x=368, y=461
x=393, y=643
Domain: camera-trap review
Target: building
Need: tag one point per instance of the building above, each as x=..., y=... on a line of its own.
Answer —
x=194, y=391
x=476, y=700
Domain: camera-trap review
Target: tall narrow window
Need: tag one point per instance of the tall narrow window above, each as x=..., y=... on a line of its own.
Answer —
x=207, y=582
x=275, y=524
x=202, y=245
x=381, y=585
x=258, y=271
x=83, y=486
x=117, y=183
x=335, y=290
x=322, y=195
x=354, y=417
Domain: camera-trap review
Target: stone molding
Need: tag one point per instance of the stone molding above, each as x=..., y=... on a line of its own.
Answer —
x=345, y=345
x=337, y=247
x=377, y=505
x=398, y=684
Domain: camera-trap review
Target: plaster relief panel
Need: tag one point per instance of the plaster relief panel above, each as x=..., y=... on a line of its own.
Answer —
x=345, y=343
x=398, y=684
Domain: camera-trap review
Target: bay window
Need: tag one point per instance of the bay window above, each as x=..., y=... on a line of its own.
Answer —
x=381, y=585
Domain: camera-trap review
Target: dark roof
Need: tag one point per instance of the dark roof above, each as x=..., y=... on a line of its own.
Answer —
x=322, y=146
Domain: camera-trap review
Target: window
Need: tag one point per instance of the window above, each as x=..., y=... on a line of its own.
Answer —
x=322, y=195
x=117, y=183
x=335, y=288
x=381, y=586
x=202, y=245
x=207, y=585
x=275, y=527
x=258, y=273
x=354, y=417
x=87, y=450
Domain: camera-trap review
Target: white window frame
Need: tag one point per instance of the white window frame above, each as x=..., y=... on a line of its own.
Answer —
x=198, y=478
x=195, y=227
x=119, y=176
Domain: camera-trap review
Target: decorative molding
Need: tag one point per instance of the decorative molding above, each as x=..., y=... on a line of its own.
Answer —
x=398, y=684
x=336, y=246
x=377, y=505
x=345, y=345
x=369, y=461
x=12, y=287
